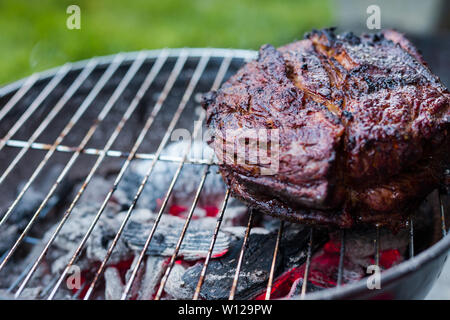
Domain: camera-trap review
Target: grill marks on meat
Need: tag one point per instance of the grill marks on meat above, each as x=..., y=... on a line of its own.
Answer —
x=363, y=128
x=263, y=96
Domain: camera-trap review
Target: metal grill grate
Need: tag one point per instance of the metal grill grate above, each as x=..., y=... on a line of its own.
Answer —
x=133, y=63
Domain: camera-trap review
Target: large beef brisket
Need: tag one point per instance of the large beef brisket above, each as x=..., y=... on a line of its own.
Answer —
x=361, y=128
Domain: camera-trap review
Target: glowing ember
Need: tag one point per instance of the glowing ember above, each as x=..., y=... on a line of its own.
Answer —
x=324, y=269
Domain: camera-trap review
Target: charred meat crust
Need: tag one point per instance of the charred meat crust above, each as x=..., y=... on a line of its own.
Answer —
x=363, y=128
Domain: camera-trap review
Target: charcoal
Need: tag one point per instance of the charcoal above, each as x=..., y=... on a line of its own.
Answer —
x=236, y=214
x=95, y=193
x=35, y=194
x=175, y=287
x=256, y=263
x=70, y=235
x=102, y=236
x=27, y=294
x=296, y=289
x=29, y=204
x=196, y=240
x=113, y=284
x=148, y=276
x=254, y=271
x=163, y=172
x=135, y=290
x=128, y=187
x=95, y=250
x=33, y=293
x=9, y=234
x=238, y=232
x=154, y=270
x=359, y=245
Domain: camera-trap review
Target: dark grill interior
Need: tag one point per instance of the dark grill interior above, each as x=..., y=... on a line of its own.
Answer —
x=123, y=109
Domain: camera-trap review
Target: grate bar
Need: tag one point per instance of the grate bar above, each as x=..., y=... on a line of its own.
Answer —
x=100, y=84
x=18, y=95
x=241, y=256
x=131, y=156
x=169, y=85
x=152, y=232
x=197, y=74
x=308, y=263
x=61, y=176
x=142, y=90
x=376, y=243
x=53, y=113
x=100, y=159
x=441, y=207
x=105, y=77
x=79, y=291
x=47, y=288
x=20, y=277
x=411, y=237
x=217, y=81
x=211, y=246
x=36, y=103
x=274, y=260
x=220, y=74
x=109, y=153
x=183, y=232
x=219, y=78
x=165, y=139
x=341, y=258
x=111, y=102
x=188, y=92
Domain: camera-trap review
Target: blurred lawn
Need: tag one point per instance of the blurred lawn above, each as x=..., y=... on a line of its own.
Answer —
x=34, y=37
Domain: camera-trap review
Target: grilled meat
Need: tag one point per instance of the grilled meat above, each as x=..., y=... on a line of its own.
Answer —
x=361, y=127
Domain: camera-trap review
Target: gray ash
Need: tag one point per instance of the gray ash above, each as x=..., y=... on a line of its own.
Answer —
x=196, y=240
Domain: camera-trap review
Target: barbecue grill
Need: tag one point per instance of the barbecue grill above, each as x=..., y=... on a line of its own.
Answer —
x=37, y=134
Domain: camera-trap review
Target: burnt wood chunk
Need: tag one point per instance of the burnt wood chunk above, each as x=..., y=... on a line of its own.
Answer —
x=256, y=264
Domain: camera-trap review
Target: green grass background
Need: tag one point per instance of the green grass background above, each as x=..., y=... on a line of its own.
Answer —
x=34, y=37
